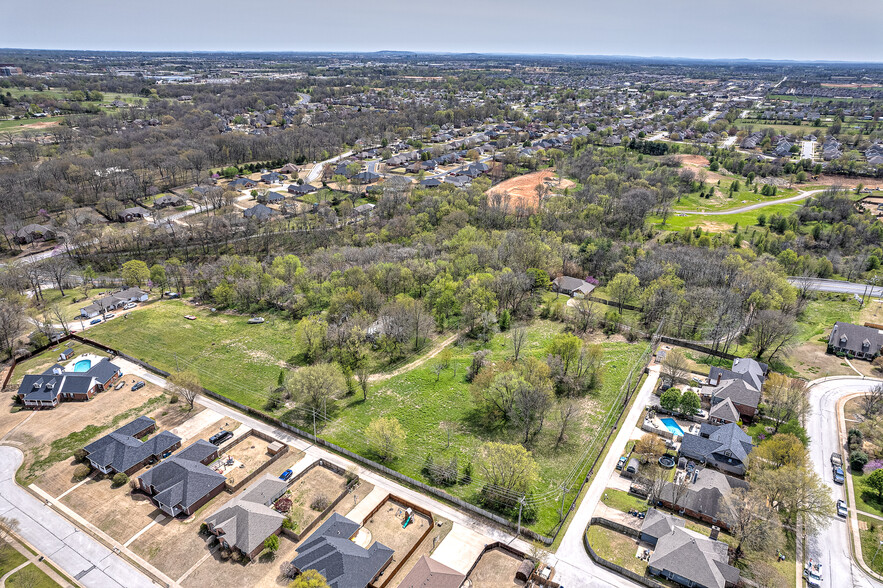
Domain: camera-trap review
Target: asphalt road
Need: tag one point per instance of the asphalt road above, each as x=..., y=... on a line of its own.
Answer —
x=831, y=545
x=837, y=286
x=575, y=567
x=74, y=551
x=801, y=196
x=317, y=169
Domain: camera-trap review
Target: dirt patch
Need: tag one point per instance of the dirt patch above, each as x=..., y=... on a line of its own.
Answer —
x=495, y=569
x=523, y=192
x=248, y=455
x=694, y=160
x=261, y=573
x=385, y=526
x=119, y=512
x=847, y=182
x=317, y=483
x=435, y=537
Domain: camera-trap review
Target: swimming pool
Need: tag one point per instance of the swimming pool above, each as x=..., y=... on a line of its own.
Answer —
x=83, y=365
x=673, y=426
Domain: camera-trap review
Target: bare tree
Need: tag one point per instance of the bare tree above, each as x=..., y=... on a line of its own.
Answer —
x=530, y=403
x=59, y=268
x=518, y=336
x=786, y=398
x=771, y=330
x=12, y=322
x=186, y=385
x=565, y=412
x=872, y=402
x=752, y=521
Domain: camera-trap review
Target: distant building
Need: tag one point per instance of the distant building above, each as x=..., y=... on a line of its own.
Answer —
x=572, y=286
x=9, y=70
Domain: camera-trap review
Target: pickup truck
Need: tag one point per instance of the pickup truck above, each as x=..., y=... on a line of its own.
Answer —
x=836, y=460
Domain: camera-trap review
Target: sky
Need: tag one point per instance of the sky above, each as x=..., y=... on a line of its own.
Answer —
x=847, y=30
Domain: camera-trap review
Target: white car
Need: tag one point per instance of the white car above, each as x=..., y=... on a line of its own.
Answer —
x=129, y=306
x=812, y=573
x=841, y=508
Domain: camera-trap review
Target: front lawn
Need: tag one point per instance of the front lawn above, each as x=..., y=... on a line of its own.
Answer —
x=616, y=548
x=623, y=500
x=865, y=499
x=30, y=576
x=871, y=536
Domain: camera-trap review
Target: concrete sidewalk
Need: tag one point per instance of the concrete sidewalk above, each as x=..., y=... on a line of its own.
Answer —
x=76, y=553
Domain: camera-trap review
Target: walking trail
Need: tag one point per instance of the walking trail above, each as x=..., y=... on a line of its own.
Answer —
x=416, y=363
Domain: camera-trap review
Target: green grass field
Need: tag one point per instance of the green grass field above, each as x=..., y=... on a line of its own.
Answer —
x=866, y=499
x=870, y=538
x=30, y=576
x=616, y=547
x=231, y=357
x=717, y=223
x=623, y=500
x=422, y=404
x=721, y=200
x=21, y=125
x=10, y=558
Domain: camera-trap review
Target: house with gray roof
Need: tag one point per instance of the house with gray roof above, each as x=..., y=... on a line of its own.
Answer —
x=331, y=552
x=181, y=484
x=742, y=385
x=128, y=215
x=34, y=232
x=245, y=523
x=725, y=447
x=692, y=560
x=123, y=451
x=259, y=212
x=242, y=184
x=60, y=384
x=167, y=200
x=572, y=286
x=723, y=413
x=855, y=341
x=703, y=496
x=113, y=301
x=658, y=524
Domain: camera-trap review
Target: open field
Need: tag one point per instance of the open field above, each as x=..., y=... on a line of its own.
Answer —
x=29, y=124
x=421, y=402
x=717, y=224
x=119, y=512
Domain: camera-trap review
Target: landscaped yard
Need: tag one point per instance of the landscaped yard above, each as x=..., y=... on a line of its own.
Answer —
x=866, y=499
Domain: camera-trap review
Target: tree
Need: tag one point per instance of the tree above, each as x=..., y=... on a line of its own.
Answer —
x=120, y=479
x=271, y=543
x=797, y=493
x=771, y=330
x=509, y=471
x=689, y=403
x=186, y=385
x=675, y=366
x=159, y=278
x=309, y=579
x=12, y=322
x=670, y=399
x=135, y=272
x=530, y=404
x=623, y=288
x=785, y=398
x=650, y=445
x=386, y=437
x=751, y=521
x=779, y=451
x=316, y=385
x=565, y=412
x=517, y=336
x=874, y=481
x=872, y=402
x=311, y=336
x=59, y=268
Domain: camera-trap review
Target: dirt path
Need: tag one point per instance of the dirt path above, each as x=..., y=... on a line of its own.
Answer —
x=417, y=362
x=801, y=196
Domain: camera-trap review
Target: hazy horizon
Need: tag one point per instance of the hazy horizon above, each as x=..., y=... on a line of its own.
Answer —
x=753, y=30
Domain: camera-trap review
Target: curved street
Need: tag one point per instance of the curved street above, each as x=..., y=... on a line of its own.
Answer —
x=831, y=546
x=75, y=552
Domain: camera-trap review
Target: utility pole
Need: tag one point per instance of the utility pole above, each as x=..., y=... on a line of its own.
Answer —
x=561, y=508
x=314, y=423
x=520, y=506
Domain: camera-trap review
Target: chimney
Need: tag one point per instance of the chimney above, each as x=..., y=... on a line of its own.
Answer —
x=715, y=530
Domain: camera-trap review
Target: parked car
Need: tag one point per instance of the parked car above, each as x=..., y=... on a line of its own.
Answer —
x=702, y=413
x=285, y=475
x=812, y=573
x=621, y=463
x=838, y=475
x=172, y=295
x=95, y=321
x=129, y=306
x=220, y=437
x=120, y=385
x=841, y=508
x=138, y=385
x=256, y=320
x=109, y=316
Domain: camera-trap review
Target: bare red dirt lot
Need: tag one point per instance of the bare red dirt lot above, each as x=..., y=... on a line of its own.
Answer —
x=521, y=192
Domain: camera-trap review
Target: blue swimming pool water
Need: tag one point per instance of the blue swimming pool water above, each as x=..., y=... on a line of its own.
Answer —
x=673, y=426
x=83, y=365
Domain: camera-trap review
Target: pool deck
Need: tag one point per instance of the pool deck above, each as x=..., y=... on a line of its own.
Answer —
x=91, y=357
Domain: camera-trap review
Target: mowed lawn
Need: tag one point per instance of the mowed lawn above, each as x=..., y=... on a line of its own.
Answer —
x=427, y=406
x=716, y=223
x=231, y=357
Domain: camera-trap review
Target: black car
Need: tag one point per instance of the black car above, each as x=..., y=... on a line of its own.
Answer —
x=219, y=438
x=138, y=385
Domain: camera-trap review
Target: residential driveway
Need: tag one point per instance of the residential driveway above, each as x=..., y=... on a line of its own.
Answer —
x=460, y=548
x=75, y=552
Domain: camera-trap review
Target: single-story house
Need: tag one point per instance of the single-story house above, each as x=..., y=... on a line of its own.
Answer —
x=113, y=301
x=181, y=484
x=430, y=183
x=658, y=524
x=168, y=200
x=364, y=208
x=242, y=184
x=259, y=212
x=58, y=384
x=128, y=215
x=428, y=573
x=123, y=451
x=245, y=522
x=855, y=340
x=690, y=559
x=301, y=189
x=572, y=286
x=270, y=198
x=366, y=177
x=725, y=447
x=344, y=564
x=271, y=178
x=289, y=168
x=34, y=232
x=704, y=496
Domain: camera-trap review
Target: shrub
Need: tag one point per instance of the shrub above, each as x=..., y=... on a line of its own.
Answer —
x=81, y=472
x=868, y=466
x=271, y=543
x=320, y=503
x=283, y=505
x=173, y=399
x=120, y=479
x=203, y=529
x=670, y=399
x=80, y=455
x=289, y=524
